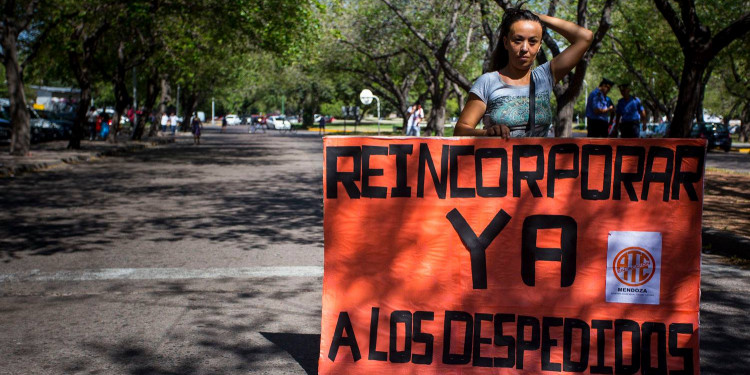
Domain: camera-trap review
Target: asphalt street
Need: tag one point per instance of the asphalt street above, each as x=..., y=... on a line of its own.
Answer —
x=735, y=162
x=185, y=259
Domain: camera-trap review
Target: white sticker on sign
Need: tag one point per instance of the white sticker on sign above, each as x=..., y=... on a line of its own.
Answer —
x=633, y=267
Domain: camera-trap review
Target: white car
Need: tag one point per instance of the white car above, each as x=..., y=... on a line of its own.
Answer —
x=233, y=120
x=278, y=122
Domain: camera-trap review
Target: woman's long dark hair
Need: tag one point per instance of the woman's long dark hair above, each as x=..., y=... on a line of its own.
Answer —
x=499, y=57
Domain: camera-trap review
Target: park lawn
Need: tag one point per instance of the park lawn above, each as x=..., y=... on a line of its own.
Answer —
x=369, y=128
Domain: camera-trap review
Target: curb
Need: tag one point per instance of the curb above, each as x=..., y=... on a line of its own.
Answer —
x=12, y=171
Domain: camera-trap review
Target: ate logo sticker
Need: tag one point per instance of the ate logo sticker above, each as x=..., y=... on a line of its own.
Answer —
x=634, y=266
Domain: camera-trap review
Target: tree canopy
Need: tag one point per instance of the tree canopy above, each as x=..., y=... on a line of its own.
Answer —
x=312, y=56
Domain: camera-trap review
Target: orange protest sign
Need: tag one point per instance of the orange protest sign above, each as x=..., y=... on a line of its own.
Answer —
x=525, y=256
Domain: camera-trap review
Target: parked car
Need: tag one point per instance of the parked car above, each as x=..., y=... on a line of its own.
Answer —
x=715, y=133
x=63, y=121
x=316, y=119
x=41, y=130
x=233, y=120
x=5, y=130
x=278, y=122
x=662, y=129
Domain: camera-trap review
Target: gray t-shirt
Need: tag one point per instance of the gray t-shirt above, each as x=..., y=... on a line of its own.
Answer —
x=509, y=104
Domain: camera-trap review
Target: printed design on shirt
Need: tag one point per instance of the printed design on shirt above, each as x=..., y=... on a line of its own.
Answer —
x=513, y=111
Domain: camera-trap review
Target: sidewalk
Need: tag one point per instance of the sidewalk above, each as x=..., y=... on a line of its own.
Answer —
x=53, y=154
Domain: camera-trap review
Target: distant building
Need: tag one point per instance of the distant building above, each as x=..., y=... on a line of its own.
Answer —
x=59, y=99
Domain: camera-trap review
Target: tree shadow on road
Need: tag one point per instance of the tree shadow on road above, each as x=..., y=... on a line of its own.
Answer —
x=235, y=195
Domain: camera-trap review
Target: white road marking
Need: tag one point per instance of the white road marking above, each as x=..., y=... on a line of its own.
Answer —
x=162, y=274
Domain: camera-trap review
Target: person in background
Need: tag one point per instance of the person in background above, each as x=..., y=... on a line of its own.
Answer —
x=91, y=117
x=173, y=122
x=500, y=97
x=611, y=128
x=599, y=109
x=223, y=123
x=416, y=114
x=631, y=116
x=131, y=115
x=197, y=127
x=164, y=122
x=322, y=124
x=104, y=125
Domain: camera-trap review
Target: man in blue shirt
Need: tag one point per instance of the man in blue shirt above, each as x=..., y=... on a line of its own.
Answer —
x=630, y=115
x=598, y=110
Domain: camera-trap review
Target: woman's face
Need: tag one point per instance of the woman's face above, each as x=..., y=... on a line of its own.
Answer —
x=523, y=42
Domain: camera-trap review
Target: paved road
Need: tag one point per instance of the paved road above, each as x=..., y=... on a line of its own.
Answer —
x=204, y=260
x=176, y=260
x=732, y=161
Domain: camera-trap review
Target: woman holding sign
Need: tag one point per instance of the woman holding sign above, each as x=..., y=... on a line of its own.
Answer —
x=500, y=98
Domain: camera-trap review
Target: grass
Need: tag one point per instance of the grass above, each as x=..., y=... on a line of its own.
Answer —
x=370, y=128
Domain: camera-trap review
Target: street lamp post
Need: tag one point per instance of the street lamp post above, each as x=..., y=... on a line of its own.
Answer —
x=366, y=98
x=585, y=104
x=135, y=99
x=213, y=115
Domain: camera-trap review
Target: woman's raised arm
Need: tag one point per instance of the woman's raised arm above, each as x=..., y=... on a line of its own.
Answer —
x=579, y=38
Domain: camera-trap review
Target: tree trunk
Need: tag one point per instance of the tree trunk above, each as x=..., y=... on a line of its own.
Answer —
x=151, y=94
x=564, y=117
x=81, y=121
x=404, y=112
x=148, y=107
x=188, y=107
x=20, y=141
x=436, y=122
x=122, y=97
x=687, y=100
x=654, y=110
x=163, y=100
x=439, y=97
x=460, y=97
x=704, y=82
x=81, y=64
x=84, y=84
x=745, y=125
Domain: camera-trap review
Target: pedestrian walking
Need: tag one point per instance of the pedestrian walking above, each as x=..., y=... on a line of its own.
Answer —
x=164, y=122
x=631, y=115
x=321, y=124
x=416, y=114
x=104, y=125
x=130, y=114
x=91, y=117
x=223, y=123
x=500, y=98
x=197, y=127
x=599, y=110
x=173, y=122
